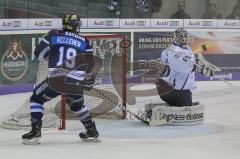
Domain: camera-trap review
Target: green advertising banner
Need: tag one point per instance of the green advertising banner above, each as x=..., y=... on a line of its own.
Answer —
x=16, y=55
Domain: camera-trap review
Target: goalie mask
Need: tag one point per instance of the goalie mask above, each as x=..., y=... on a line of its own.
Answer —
x=71, y=23
x=181, y=36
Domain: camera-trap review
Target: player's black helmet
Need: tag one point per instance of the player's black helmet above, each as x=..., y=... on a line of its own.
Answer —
x=180, y=36
x=71, y=23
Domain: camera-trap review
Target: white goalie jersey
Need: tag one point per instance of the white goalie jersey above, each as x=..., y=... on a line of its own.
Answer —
x=181, y=61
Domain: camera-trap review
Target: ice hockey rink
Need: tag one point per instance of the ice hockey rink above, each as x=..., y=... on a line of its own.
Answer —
x=217, y=138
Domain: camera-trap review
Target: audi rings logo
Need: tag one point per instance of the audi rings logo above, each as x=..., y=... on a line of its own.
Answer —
x=140, y=23
x=207, y=23
x=173, y=23
x=13, y=24
x=43, y=23
x=17, y=24
x=109, y=23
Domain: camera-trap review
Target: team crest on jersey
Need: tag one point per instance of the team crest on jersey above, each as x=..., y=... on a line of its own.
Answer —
x=14, y=62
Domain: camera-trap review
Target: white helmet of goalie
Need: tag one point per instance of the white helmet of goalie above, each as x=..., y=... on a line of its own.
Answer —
x=181, y=36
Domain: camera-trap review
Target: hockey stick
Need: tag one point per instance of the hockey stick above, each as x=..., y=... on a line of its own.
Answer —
x=214, y=68
x=148, y=122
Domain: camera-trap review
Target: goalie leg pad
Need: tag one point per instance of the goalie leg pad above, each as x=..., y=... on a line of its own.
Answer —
x=187, y=115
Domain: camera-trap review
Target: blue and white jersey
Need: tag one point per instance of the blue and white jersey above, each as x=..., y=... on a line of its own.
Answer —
x=63, y=49
x=181, y=61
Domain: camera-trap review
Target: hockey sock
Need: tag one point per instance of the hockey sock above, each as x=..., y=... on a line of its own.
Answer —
x=84, y=116
x=36, y=110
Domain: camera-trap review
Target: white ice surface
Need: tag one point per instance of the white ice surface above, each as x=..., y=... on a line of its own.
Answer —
x=217, y=138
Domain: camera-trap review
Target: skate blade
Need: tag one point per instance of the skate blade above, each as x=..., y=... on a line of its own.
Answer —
x=34, y=141
x=91, y=140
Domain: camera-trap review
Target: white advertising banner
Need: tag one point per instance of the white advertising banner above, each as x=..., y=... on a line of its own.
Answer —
x=103, y=23
x=200, y=23
x=44, y=24
x=166, y=23
x=229, y=24
x=135, y=23
x=116, y=23
x=84, y=23
x=13, y=24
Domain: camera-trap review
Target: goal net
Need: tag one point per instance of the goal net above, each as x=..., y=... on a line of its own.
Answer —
x=107, y=96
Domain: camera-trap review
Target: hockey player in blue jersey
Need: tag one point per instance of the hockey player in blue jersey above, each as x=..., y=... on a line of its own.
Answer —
x=61, y=48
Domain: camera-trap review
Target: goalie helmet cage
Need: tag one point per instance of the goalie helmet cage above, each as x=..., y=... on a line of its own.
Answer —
x=109, y=91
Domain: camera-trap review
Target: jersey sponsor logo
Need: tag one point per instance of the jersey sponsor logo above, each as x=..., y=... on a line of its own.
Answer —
x=14, y=62
x=179, y=55
x=75, y=35
x=68, y=41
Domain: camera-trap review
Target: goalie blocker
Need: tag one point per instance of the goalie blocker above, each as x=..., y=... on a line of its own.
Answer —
x=163, y=114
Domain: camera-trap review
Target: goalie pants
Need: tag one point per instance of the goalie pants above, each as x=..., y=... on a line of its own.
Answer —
x=178, y=98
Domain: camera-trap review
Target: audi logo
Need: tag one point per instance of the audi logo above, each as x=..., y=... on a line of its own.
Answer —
x=207, y=23
x=140, y=23
x=109, y=23
x=16, y=23
x=174, y=23
x=12, y=24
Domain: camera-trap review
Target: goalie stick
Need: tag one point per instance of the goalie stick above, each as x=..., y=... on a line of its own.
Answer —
x=142, y=116
x=214, y=68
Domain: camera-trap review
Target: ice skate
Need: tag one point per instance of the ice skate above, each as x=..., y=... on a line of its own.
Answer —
x=91, y=134
x=32, y=137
